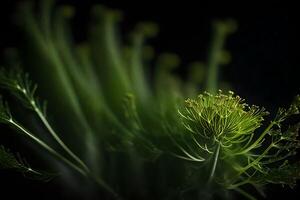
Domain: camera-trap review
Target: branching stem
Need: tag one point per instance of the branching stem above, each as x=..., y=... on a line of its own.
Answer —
x=62, y=158
x=244, y=169
x=57, y=138
x=254, y=144
x=47, y=147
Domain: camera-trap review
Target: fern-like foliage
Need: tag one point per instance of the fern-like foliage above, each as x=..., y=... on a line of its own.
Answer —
x=20, y=85
x=5, y=114
x=9, y=161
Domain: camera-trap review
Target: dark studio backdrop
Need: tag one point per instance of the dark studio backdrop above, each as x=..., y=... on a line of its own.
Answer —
x=261, y=70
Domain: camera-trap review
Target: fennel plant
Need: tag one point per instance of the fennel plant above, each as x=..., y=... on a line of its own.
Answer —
x=130, y=137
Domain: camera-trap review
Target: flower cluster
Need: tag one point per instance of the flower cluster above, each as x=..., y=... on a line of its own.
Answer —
x=224, y=117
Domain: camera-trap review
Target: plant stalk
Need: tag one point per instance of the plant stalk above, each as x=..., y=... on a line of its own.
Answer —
x=59, y=141
x=86, y=174
x=213, y=169
x=48, y=148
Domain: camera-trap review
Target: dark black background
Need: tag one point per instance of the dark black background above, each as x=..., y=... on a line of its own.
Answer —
x=261, y=71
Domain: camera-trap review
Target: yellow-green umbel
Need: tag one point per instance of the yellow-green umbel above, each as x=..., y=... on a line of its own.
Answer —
x=222, y=118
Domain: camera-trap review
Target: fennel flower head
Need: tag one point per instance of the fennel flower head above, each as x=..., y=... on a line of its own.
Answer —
x=222, y=118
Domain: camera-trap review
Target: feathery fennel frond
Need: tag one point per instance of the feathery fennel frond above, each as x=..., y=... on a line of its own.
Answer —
x=7, y=118
x=19, y=84
x=5, y=114
x=9, y=161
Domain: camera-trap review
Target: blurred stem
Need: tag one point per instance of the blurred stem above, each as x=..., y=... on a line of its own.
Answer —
x=106, y=187
x=221, y=31
x=245, y=194
x=49, y=50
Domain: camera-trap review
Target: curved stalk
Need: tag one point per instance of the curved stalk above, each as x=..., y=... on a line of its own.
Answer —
x=42, y=117
x=47, y=147
x=83, y=172
x=254, y=144
x=59, y=141
x=244, y=169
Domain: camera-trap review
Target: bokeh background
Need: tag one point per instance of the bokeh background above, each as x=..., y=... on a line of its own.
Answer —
x=261, y=69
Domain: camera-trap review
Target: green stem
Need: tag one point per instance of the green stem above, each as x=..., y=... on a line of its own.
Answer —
x=216, y=157
x=59, y=141
x=244, y=169
x=49, y=128
x=47, y=147
x=257, y=159
x=254, y=144
x=214, y=63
